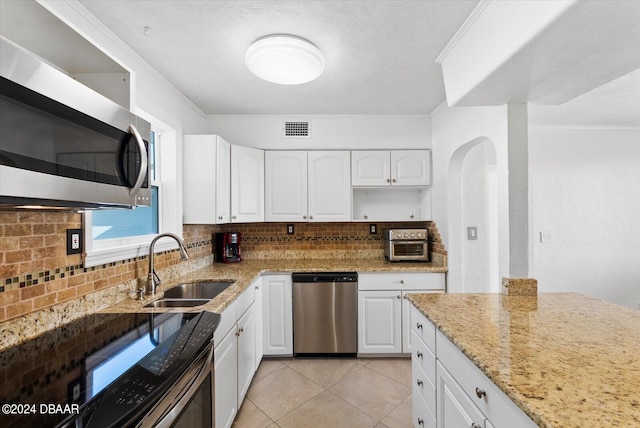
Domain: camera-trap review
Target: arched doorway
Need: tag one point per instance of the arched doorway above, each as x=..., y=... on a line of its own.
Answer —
x=472, y=200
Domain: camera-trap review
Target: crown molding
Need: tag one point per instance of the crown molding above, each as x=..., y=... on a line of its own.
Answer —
x=473, y=16
x=438, y=109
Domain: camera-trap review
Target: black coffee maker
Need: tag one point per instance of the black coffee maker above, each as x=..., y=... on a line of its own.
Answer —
x=227, y=247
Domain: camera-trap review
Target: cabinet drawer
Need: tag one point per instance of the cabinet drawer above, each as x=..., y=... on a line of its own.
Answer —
x=423, y=328
x=424, y=358
x=423, y=385
x=228, y=318
x=496, y=406
x=422, y=416
x=245, y=299
x=400, y=281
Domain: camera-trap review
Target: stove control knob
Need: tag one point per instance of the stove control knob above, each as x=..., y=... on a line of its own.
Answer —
x=406, y=235
x=413, y=235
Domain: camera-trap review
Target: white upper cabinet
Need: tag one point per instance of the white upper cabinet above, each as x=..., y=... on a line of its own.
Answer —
x=410, y=167
x=391, y=168
x=223, y=179
x=247, y=184
x=285, y=186
x=329, y=186
x=370, y=168
x=206, y=179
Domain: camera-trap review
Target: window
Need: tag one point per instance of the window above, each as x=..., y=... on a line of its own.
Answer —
x=113, y=235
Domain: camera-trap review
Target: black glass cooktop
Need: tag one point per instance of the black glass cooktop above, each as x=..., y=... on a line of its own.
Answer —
x=102, y=367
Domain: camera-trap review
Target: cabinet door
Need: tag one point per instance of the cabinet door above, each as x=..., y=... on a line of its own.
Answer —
x=370, y=168
x=285, y=186
x=410, y=167
x=247, y=185
x=246, y=351
x=455, y=409
x=277, y=315
x=258, y=309
x=379, y=322
x=199, y=179
x=223, y=182
x=226, y=372
x=329, y=186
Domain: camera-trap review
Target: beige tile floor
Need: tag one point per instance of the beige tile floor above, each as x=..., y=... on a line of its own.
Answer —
x=329, y=392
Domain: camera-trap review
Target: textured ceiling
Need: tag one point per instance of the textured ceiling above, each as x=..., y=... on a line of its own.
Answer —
x=380, y=55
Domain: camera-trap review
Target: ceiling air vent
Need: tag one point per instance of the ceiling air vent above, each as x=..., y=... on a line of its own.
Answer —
x=297, y=130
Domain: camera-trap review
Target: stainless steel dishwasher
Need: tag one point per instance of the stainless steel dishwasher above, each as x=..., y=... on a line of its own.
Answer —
x=325, y=313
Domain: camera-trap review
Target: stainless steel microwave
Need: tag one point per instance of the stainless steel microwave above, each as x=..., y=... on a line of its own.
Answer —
x=63, y=145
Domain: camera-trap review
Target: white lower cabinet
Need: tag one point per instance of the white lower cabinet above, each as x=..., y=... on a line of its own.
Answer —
x=226, y=380
x=246, y=351
x=234, y=356
x=277, y=315
x=379, y=322
x=383, y=313
x=452, y=388
x=455, y=409
x=257, y=286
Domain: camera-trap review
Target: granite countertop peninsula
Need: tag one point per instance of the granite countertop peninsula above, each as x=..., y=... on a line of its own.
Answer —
x=242, y=274
x=567, y=360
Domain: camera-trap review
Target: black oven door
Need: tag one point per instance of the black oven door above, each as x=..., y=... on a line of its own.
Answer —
x=190, y=401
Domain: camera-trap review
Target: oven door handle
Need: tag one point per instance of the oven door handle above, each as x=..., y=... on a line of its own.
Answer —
x=169, y=410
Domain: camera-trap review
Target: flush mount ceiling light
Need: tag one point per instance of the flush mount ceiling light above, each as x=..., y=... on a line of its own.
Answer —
x=284, y=59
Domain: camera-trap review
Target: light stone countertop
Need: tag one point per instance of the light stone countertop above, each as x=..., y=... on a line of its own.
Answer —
x=567, y=360
x=245, y=272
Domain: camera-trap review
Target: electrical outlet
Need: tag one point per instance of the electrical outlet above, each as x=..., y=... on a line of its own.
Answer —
x=74, y=241
x=373, y=229
x=290, y=229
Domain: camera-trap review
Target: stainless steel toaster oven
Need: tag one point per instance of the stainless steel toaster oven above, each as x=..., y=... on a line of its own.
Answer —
x=406, y=245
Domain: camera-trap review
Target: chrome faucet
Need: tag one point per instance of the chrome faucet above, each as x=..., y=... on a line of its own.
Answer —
x=153, y=280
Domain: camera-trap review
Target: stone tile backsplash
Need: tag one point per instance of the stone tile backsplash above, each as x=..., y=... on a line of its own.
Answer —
x=36, y=272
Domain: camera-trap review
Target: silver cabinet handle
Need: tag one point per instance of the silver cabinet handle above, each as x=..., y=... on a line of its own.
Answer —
x=475, y=425
x=398, y=296
x=420, y=421
x=418, y=325
x=419, y=354
x=257, y=287
x=310, y=217
x=143, y=161
x=234, y=217
x=393, y=181
x=402, y=281
x=219, y=217
x=366, y=217
x=419, y=382
x=388, y=180
x=480, y=392
x=304, y=217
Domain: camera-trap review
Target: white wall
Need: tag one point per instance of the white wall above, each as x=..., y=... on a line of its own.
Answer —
x=455, y=129
x=586, y=192
x=334, y=132
x=474, y=210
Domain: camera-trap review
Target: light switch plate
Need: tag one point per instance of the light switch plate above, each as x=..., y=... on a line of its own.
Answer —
x=290, y=229
x=545, y=237
x=472, y=233
x=373, y=229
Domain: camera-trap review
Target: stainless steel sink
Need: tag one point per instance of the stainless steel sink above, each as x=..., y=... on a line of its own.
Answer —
x=197, y=290
x=190, y=294
x=176, y=303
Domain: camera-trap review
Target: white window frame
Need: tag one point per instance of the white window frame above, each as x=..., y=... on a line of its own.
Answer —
x=101, y=252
